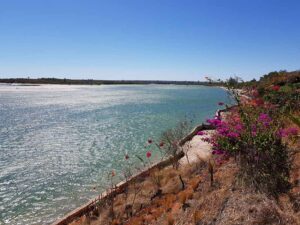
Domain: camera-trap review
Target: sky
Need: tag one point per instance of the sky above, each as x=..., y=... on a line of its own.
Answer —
x=148, y=39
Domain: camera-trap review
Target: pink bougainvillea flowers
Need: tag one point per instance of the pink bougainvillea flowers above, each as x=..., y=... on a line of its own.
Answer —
x=200, y=133
x=265, y=119
x=217, y=152
x=214, y=122
x=291, y=131
x=239, y=127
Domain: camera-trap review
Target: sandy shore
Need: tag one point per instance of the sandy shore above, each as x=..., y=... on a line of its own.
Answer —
x=197, y=149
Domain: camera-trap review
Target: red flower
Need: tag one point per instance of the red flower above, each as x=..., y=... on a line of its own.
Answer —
x=161, y=144
x=148, y=154
x=149, y=141
x=257, y=102
x=275, y=87
x=126, y=156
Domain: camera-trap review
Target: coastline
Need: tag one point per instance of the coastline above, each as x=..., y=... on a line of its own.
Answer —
x=186, y=156
x=87, y=186
x=98, y=82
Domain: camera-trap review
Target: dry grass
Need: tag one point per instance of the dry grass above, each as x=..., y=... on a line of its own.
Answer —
x=198, y=203
x=294, y=194
x=253, y=208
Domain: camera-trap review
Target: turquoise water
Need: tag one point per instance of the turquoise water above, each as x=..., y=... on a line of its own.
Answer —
x=59, y=142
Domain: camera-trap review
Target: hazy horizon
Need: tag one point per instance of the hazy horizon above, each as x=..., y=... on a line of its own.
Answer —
x=153, y=40
x=84, y=79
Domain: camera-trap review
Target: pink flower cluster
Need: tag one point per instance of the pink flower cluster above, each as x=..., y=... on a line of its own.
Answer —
x=291, y=131
x=217, y=152
x=215, y=122
x=231, y=130
x=265, y=119
x=200, y=133
x=225, y=129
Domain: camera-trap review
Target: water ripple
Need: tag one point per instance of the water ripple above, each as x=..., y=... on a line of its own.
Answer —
x=58, y=142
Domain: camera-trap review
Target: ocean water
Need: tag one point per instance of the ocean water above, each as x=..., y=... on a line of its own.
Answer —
x=58, y=143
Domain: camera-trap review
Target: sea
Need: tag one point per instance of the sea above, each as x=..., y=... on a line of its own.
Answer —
x=59, y=143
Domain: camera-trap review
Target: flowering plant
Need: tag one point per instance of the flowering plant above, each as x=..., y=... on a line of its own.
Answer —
x=253, y=136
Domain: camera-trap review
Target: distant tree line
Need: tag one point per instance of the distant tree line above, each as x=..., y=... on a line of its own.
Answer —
x=99, y=82
x=276, y=77
x=281, y=78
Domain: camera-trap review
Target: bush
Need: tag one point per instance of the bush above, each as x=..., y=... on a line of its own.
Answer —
x=171, y=137
x=253, y=136
x=287, y=98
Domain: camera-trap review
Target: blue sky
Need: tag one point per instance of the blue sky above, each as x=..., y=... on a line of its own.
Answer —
x=148, y=39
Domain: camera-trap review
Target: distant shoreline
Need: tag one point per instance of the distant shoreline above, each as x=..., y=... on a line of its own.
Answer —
x=99, y=82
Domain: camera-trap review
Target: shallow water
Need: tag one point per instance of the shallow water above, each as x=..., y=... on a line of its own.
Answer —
x=59, y=142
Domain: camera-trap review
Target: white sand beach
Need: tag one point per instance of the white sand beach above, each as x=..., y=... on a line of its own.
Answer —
x=197, y=149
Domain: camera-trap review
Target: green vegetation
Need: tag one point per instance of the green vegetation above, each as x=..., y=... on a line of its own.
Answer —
x=252, y=178
x=257, y=132
x=97, y=82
